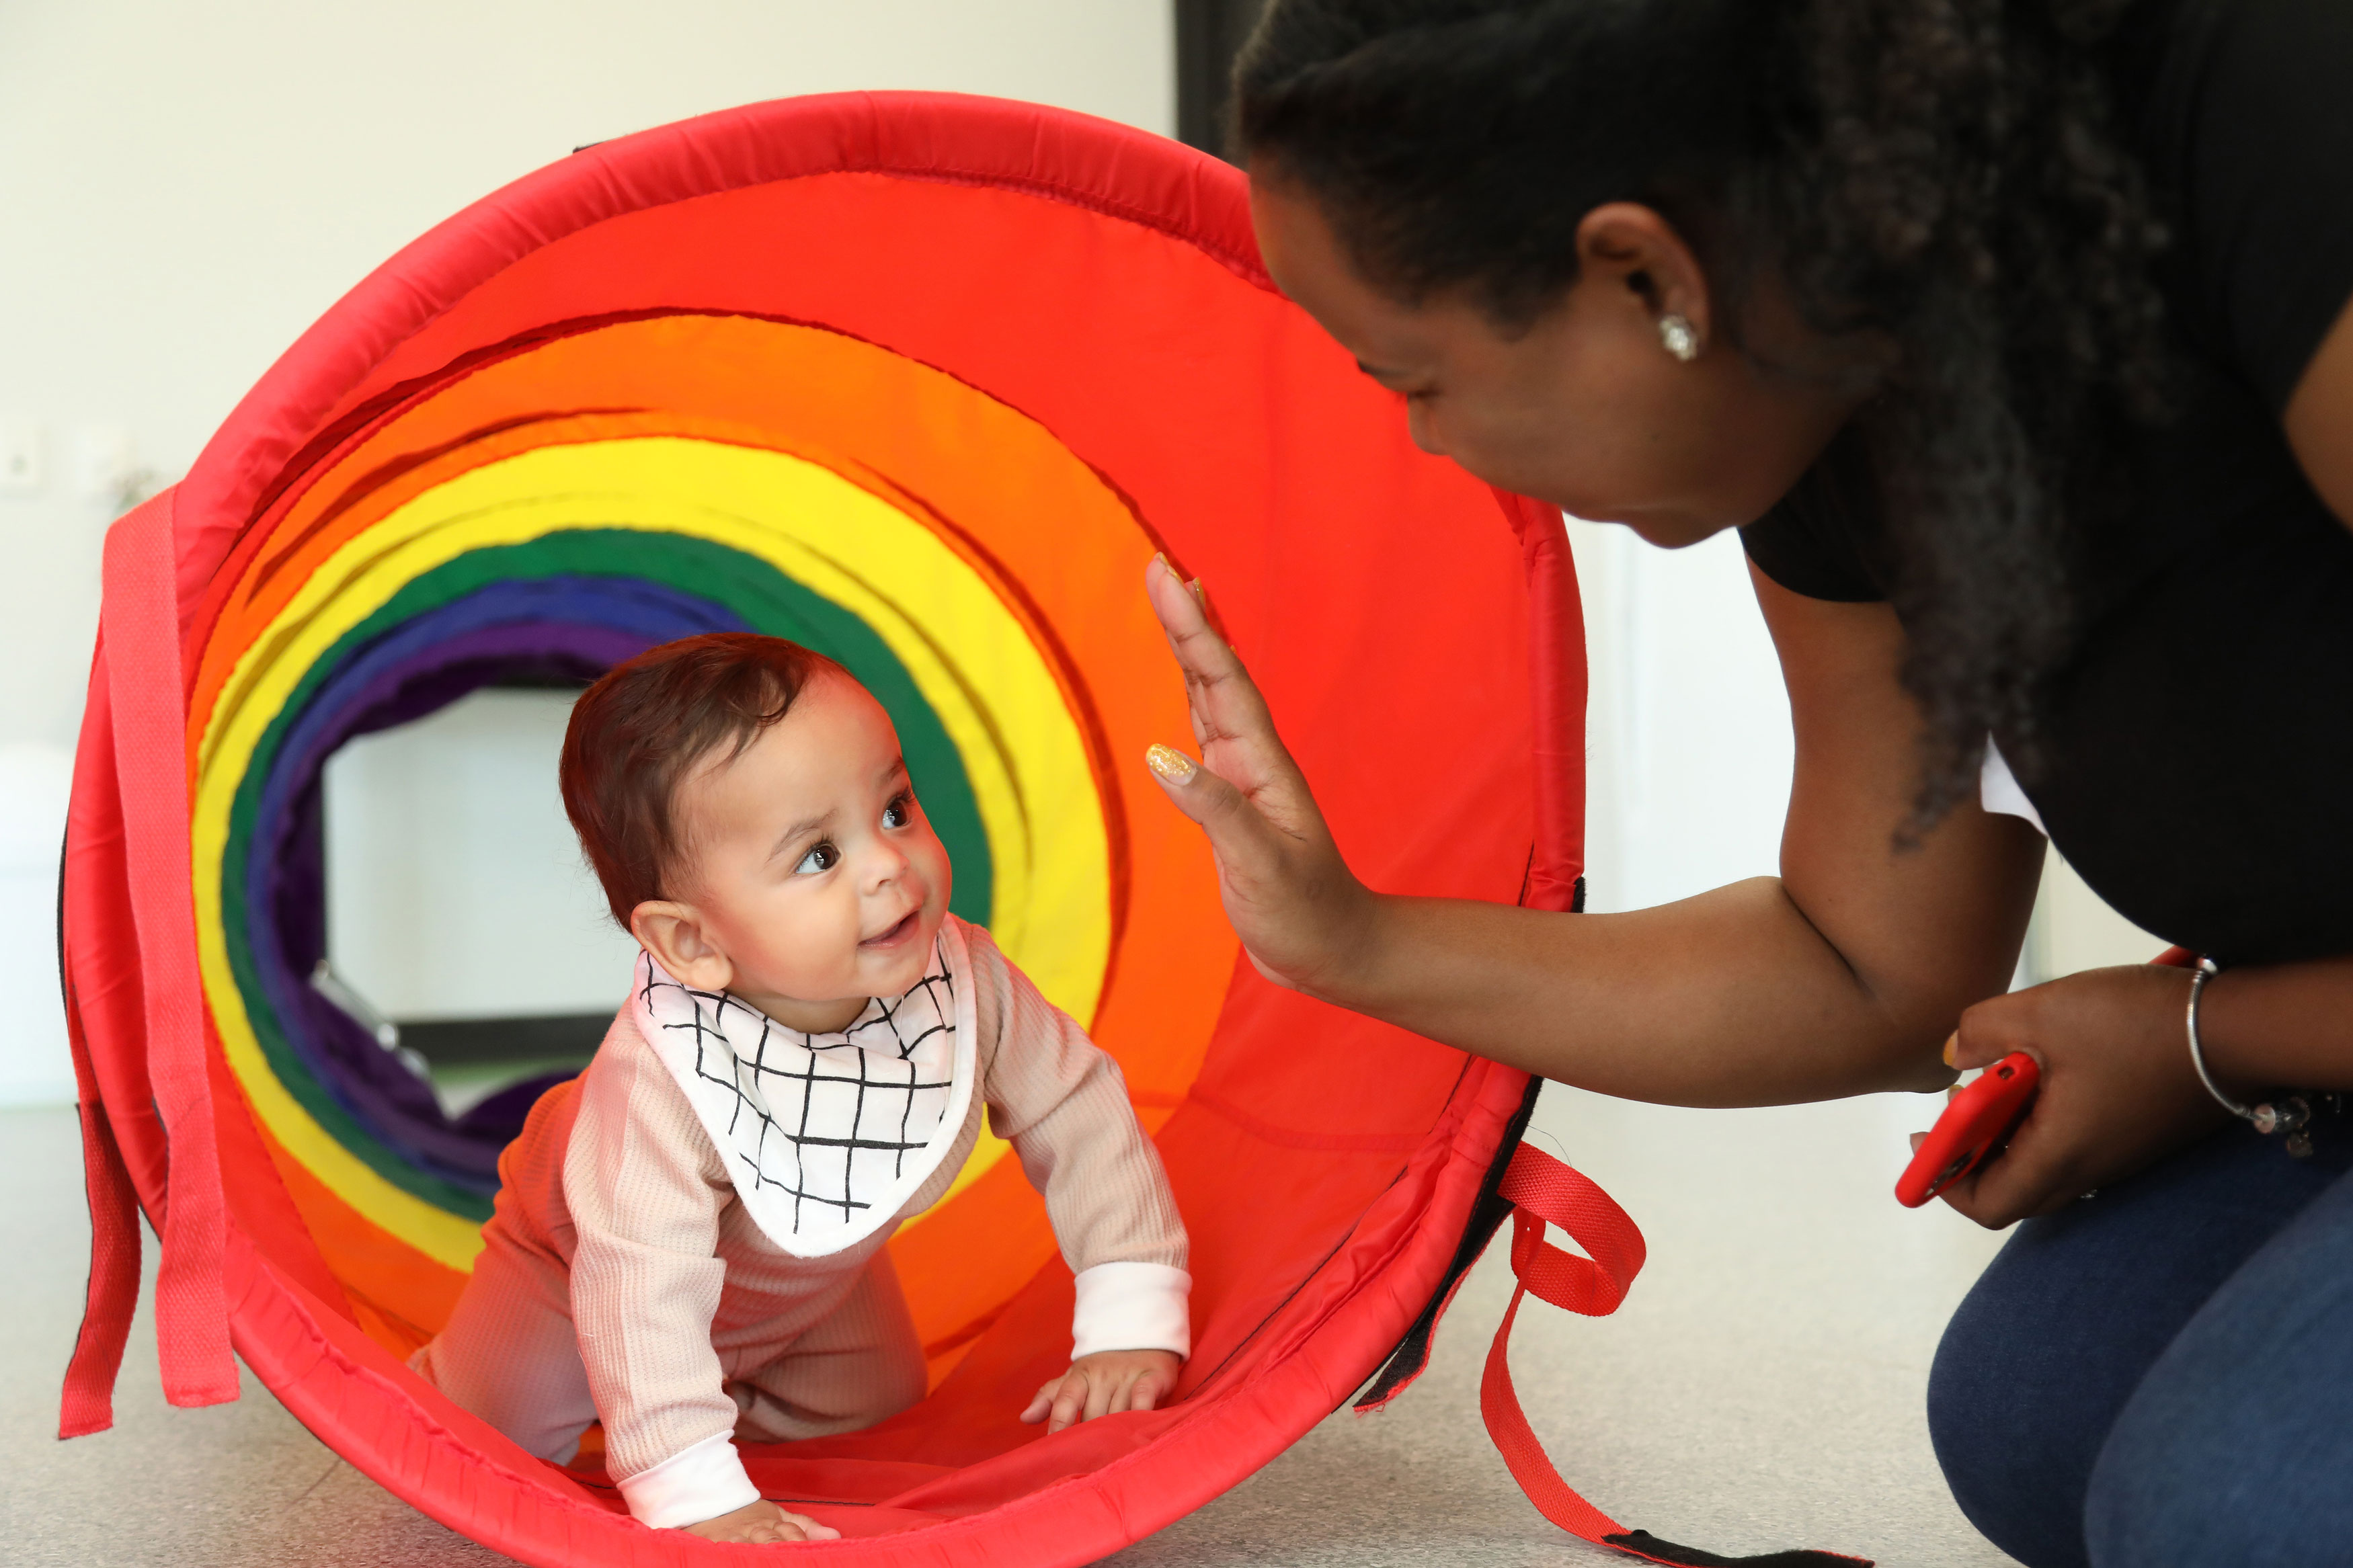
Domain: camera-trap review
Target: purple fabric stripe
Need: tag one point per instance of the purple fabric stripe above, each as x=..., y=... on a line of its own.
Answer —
x=566, y=627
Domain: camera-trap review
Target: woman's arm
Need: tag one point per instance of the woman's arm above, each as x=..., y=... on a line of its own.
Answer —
x=1842, y=975
x=2117, y=1087
x=2293, y=1023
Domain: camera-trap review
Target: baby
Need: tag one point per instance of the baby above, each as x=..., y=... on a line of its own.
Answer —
x=688, y=1241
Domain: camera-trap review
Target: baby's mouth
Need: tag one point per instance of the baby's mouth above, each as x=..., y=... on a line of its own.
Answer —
x=898, y=932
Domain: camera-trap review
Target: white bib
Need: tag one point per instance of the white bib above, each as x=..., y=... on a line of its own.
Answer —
x=827, y=1136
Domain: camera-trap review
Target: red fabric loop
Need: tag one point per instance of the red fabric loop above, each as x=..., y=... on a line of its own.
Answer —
x=1548, y=1192
x=140, y=625
x=1507, y=1424
x=113, y=1293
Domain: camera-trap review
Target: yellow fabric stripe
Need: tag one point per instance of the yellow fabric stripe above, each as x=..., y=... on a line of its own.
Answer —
x=994, y=695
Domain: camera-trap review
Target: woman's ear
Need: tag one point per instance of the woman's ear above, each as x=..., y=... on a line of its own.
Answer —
x=1639, y=251
x=674, y=934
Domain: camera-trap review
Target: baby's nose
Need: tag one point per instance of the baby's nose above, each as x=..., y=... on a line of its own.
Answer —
x=885, y=865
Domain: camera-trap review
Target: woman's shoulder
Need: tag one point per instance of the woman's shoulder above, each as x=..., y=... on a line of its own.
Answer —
x=2246, y=134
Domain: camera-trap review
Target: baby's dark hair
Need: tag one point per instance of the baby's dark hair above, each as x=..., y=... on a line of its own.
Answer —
x=639, y=731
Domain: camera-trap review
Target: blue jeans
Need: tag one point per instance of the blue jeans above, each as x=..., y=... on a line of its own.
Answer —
x=2161, y=1376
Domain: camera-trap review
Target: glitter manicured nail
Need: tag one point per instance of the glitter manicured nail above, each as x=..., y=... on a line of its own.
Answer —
x=1952, y=1048
x=1170, y=763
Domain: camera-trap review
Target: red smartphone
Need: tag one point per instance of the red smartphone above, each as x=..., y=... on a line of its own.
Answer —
x=1974, y=1126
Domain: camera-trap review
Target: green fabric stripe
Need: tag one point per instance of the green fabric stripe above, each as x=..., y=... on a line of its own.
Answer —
x=763, y=597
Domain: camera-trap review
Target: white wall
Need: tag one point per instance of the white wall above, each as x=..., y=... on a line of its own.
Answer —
x=1689, y=750
x=1688, y=746
x=455, y=886
x=184, y=188
x=2073, y=928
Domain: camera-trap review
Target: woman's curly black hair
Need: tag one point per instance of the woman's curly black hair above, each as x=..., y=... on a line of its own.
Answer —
x=1945, y=175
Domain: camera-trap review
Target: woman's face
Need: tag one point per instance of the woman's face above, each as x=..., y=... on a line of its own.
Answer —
x=1585, y=408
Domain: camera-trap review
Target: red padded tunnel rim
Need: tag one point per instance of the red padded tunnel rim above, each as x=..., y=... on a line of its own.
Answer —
x=958, y=138
x=1338, y=1327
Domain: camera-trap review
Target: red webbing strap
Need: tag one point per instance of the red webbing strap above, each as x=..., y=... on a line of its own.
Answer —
x=113, y=1294
x=139, y=622
x=1546, y=1191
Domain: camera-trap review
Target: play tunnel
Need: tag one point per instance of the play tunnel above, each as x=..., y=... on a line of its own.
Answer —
x=923, y=381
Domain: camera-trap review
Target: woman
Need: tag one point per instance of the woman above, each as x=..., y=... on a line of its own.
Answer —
x=2013, y=338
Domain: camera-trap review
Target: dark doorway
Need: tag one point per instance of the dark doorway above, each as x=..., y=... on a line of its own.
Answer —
x=1210, y=34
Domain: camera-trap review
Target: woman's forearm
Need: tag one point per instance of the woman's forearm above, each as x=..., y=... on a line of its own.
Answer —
x=1729, y=998
x=2280, y=1025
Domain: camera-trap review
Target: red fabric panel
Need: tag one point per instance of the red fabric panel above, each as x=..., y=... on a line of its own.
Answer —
x=141, y=620
x=102, y=947
x=1069, y=157
x=346, y=1388
x=1556, y=673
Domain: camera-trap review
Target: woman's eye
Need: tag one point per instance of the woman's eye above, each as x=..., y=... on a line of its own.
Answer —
x=898, y=813
x=820, y=858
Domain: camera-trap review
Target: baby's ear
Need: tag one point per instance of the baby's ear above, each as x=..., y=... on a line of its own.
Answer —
x=674, y=934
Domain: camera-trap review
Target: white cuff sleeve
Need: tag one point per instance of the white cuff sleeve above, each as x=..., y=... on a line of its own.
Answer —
x=1132, y=1307
x=694, y=1484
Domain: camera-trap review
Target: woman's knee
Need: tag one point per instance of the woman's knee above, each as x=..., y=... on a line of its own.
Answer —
x=2190, y=1479
x=2016, y=1475
x=2236, y=1447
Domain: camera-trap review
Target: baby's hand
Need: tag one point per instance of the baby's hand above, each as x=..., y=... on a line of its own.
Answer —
x=1103, y=1384
x=761, y=1523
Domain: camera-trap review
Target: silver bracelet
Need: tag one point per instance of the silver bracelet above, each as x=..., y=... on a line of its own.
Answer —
x=2207, y=969
x=2289, y=1116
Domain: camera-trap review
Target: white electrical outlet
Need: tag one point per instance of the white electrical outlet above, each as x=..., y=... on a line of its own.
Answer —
x=20, y=459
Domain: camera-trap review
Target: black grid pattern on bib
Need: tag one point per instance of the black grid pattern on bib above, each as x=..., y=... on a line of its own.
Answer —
x=871, y=1064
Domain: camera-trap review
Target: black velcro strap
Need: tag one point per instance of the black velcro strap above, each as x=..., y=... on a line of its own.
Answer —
x=1642, y=1542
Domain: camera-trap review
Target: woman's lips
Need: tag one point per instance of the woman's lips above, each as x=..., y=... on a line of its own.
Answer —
x=897, y=933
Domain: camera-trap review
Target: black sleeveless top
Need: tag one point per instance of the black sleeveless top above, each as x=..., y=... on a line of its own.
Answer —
x=2199, y=747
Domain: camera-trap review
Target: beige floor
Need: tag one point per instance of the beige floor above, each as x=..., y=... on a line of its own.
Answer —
x=1761, y=1388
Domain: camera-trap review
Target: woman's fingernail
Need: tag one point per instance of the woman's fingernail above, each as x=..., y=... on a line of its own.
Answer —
x=1200, y=594
x=1160, y=559
x=1952, y=1048
x=1170, y=763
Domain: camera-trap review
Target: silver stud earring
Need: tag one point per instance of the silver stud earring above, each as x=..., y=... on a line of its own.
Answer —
x=1678, y=337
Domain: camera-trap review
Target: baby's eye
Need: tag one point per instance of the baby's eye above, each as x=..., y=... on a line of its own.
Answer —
x=820, y=858
x=900, y=812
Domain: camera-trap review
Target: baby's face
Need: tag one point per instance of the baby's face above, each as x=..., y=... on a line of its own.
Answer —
x=813, y=874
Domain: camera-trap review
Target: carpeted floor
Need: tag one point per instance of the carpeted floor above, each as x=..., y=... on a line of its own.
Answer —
x=1761, y=1387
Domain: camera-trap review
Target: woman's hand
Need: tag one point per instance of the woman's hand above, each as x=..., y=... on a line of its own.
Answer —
x=761, y=1523
x=2117, y=1092
x=1103, y=1384
x=1300, y=912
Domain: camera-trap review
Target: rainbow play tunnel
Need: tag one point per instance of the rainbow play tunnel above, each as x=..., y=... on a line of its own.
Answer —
x=922, y=382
